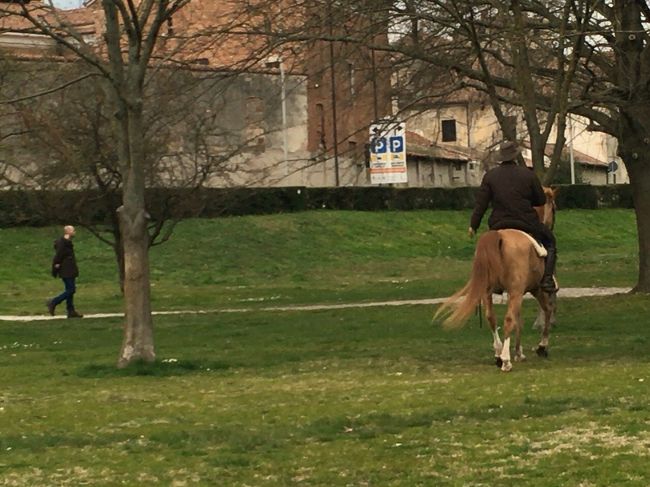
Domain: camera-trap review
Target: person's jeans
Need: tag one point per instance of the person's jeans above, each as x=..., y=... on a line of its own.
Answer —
x=68, y=294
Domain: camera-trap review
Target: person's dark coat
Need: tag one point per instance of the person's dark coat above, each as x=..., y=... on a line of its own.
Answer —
x=513, y=191
x=64, y=256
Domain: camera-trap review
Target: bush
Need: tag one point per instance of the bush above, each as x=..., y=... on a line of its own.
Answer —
x=38, y=208
x=591, y=197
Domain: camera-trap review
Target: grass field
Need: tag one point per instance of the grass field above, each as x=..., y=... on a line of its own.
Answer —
x=354, y=397
x=347, y=397
x=312, y=257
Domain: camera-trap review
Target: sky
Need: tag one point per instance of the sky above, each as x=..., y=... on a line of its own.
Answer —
x=67, y=3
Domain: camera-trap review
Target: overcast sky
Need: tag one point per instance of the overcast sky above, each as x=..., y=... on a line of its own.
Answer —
x=67, y=3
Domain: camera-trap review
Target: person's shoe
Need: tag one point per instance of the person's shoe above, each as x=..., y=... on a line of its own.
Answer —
x=50, y=306
x=548, y=285
x=74, y=314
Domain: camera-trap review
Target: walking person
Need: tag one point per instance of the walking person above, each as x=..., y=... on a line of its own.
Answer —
x=64, y=265
x=513, y=191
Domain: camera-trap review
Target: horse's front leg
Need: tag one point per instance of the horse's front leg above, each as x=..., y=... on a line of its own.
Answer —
x=519, y=352
x=547, y=305
x=541, y=315
x=510, y=323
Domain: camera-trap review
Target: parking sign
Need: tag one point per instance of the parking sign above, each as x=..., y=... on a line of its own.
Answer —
x=388, y=153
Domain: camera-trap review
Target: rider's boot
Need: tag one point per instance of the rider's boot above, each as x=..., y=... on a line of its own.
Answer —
x=548, y=282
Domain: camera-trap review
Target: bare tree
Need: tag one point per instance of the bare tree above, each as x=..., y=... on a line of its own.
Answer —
x=554, y=58
x=549, y=58
x=63, y=140
x=138, y=48
x=130, y=36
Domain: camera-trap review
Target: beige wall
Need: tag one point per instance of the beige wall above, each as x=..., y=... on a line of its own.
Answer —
x=593, y=175
x=426, y=173
x=477, y=128
x=599, y=146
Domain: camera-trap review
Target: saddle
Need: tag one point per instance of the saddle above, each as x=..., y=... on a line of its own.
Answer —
x=539, y=248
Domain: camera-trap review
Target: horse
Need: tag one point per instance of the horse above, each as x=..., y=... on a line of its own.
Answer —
x=506, y=260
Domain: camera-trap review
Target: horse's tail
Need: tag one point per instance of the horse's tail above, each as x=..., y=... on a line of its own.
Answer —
x=484, y=277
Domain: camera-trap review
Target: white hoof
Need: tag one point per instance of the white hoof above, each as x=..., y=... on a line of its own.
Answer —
x=506, y=366
x=520, y=357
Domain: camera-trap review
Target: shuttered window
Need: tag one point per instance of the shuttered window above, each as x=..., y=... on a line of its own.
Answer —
x=448, y=130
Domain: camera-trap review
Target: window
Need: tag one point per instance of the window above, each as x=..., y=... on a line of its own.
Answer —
x=449, y=130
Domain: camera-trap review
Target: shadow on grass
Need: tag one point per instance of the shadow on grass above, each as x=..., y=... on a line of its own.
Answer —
x=168, y=368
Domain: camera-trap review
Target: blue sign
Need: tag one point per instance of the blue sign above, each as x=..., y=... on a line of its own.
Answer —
x=397, y=144
x=379, y=146
x=612, y=167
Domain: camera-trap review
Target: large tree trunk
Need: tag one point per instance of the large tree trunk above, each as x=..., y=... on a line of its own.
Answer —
x=138, y=342
x=639, y=171
x=633, y=149
x=633, y=78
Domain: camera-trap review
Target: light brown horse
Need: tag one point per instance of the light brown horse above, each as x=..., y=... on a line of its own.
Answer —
x=505, y=260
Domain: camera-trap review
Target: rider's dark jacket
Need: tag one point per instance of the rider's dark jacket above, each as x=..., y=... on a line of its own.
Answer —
x=513, y=191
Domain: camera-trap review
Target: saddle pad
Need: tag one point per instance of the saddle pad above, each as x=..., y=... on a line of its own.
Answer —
x=541, y=251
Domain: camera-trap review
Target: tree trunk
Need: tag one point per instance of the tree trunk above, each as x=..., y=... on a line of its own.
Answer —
x=633, y=149
x=639, y=171
x=138, y=342
x=633, y=78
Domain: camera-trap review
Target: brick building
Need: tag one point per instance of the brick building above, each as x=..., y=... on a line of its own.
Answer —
x=319, y=98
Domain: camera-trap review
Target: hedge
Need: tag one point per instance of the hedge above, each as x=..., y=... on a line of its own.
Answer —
x=38, y=208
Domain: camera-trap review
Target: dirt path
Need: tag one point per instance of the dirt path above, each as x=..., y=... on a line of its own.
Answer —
x=574, y=292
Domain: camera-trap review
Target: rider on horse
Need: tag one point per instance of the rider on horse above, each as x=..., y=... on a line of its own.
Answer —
x=514, y=191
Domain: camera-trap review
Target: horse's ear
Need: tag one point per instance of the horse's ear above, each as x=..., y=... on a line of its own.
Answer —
x=555, y=190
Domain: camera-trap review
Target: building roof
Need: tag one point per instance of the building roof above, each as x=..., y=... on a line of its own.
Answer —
x=578, y=157
x=203, y=33
x=24, y=40
x=419, y=146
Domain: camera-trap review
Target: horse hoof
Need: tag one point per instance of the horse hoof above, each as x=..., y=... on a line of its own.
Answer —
x=498, y=362
x=506, y=367
x=542, y=352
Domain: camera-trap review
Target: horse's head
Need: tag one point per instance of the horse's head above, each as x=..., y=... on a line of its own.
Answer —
x=546, y=212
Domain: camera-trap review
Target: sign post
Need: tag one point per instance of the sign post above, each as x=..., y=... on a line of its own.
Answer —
x=388, y=153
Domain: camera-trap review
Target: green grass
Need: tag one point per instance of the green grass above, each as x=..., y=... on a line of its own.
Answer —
x=312, y=257
x=330, y=398
x=348, y=397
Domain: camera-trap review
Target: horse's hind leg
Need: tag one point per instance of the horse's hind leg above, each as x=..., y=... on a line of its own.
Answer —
x=491, y=319
x=510, y=323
